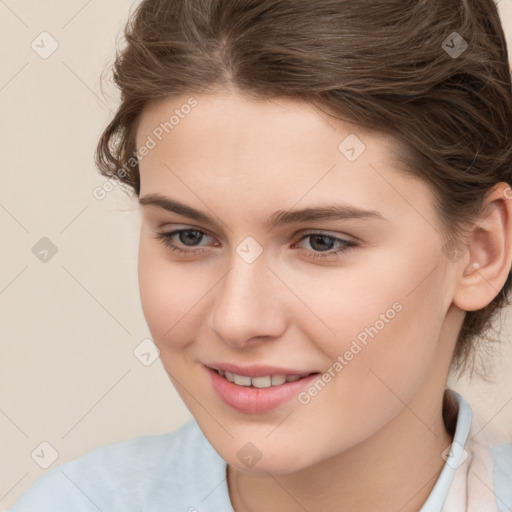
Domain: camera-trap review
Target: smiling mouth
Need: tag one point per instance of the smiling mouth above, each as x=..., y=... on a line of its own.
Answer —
x=266, y=381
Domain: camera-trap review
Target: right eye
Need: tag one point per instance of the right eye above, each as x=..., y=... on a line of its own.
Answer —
x=192, y=235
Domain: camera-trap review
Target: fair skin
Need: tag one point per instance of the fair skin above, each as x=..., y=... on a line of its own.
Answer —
x=357, y=444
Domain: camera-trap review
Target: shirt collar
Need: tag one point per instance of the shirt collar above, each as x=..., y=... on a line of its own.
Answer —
x=454, y=455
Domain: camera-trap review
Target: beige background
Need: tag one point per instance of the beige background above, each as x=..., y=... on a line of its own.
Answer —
x=69, y=326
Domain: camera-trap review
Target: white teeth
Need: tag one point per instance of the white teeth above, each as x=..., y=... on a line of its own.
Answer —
x=259, y=382
x=262, y=382
x=278, y=379
x=242, y=380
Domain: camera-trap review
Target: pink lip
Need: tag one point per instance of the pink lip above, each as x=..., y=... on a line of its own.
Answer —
x=253, y=400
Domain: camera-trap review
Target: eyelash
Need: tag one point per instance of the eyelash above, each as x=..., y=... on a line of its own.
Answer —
x=165, y=238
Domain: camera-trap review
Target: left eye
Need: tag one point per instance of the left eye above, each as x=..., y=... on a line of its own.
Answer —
x=318, y=242
x=320, y=239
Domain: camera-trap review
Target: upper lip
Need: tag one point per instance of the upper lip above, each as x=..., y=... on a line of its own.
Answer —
x=257, y=370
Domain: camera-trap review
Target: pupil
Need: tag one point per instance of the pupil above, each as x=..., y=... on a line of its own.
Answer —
x=316, y=238
x=189, y=236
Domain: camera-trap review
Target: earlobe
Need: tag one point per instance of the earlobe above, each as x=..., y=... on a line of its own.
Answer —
x=487, y=263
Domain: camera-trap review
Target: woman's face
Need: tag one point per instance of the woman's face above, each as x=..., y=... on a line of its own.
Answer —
x=355, y=288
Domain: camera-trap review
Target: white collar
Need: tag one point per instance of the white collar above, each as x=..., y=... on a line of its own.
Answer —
x=466, y=480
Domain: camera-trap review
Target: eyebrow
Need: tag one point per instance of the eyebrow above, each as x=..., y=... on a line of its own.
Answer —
x=278, y=218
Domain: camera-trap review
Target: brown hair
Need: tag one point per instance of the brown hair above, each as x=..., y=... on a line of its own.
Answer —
x=431, y=73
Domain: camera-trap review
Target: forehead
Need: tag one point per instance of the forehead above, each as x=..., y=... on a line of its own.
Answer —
x=260, y=120
x=286, y=149
x=233, y=130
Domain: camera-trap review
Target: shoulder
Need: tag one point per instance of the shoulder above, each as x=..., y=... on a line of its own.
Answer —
x=131, y=475
x=491, y=460
x=502, y=455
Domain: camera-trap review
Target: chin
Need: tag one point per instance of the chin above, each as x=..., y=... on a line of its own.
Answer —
x=262, y=458
x=272, y=464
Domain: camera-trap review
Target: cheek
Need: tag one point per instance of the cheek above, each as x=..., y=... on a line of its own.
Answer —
x=167, y=295
x=378, y=316
x=385, y=344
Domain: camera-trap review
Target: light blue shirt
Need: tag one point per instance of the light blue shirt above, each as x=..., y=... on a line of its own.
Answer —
x=181, y=472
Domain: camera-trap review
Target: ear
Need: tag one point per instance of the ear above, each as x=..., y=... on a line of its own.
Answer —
x=487, y=261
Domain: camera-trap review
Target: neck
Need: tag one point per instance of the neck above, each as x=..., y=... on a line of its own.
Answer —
x=396, y=469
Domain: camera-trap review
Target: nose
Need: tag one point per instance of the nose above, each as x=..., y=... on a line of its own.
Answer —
x=246, y=304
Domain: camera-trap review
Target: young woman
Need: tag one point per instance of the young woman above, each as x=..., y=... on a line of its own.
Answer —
x=326, y=232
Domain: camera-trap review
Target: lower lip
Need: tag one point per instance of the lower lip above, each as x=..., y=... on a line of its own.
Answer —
x=253, y=400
